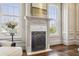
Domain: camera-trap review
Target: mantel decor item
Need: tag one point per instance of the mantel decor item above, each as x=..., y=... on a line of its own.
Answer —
x=11, y=26
x=39, y=9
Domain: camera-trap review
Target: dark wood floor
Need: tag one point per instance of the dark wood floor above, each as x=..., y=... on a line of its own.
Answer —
x=60, y=50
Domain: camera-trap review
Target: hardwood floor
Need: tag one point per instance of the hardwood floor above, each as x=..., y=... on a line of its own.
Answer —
x=60, y=50
x=63, y=50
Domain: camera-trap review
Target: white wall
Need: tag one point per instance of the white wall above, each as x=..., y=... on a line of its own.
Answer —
x=70, y=24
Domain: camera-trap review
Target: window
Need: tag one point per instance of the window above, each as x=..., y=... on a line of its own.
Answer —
x=10, y=12
x=52, y=12
x=55, y=16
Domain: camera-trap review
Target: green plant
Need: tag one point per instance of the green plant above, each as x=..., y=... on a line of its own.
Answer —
x=11, y=24
x=52, y=29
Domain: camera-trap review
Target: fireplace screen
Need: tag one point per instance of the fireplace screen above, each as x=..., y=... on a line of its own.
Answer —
x=38, y=40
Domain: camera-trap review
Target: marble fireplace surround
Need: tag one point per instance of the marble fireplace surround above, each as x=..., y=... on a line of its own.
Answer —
x=34, y=23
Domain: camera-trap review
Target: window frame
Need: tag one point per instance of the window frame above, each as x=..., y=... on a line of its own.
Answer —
x=59, y=19
x=2, y=36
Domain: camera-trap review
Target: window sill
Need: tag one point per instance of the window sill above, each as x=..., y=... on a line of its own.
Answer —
x=9, y=37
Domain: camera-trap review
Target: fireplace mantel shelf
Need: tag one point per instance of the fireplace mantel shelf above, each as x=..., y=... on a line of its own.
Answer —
x=37, y=17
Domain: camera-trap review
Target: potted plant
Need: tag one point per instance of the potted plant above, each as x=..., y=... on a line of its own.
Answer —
x=11, y=26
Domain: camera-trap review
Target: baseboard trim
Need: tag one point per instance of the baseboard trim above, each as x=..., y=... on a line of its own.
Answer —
x=56, y=45
x=61, y=44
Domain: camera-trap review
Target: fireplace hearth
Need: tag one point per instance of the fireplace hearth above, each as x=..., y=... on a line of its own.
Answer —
x=38, y=40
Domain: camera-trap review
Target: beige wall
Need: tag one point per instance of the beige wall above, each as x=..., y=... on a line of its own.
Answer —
x=77, y=23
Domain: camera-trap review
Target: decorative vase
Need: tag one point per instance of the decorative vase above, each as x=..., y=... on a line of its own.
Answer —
x=13, y=44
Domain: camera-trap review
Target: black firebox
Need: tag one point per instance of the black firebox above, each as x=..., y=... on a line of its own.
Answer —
x=38, y=40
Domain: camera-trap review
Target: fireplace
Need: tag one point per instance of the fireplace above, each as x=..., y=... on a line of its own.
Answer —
x=38, y=40
x=36, y=34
